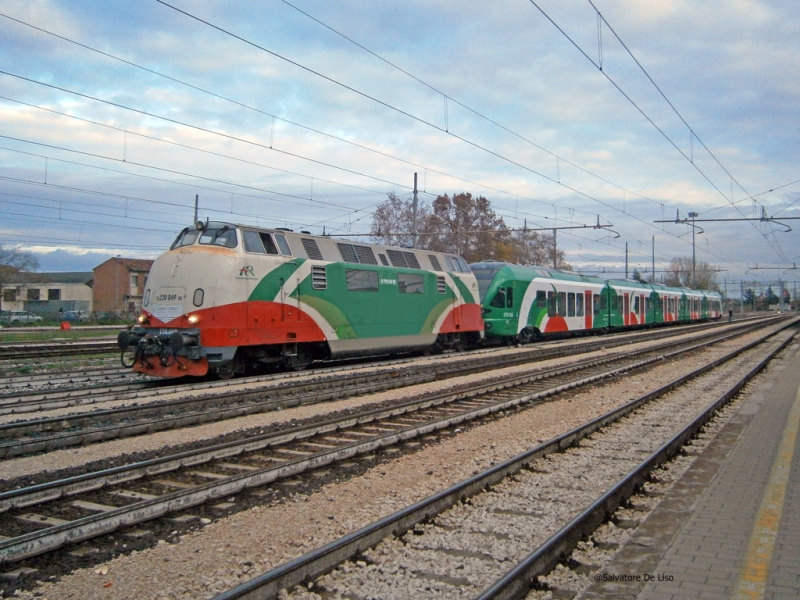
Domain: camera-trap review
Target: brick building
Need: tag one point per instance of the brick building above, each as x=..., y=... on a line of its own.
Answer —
x=119, y=285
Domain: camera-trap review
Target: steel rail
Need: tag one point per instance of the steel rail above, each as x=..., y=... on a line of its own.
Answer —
x=518, y=582
x=20, y=351
x=238, y=404
x=34, y=400
x=48, y=539
x=322, y=560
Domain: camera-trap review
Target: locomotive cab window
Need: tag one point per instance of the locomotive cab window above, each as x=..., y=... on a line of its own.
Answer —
x=283, y=244
x=186, y=237
x=410, y=283
x=219, y=236
x=499, y=300
x=258, y=242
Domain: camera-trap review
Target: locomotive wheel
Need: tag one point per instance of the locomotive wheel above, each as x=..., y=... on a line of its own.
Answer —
x=236, y=366
x=299, y=361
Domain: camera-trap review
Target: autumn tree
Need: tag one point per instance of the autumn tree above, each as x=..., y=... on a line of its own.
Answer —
x=460, y=224
x=679, y=274
x=466, y=226
x=13, y=261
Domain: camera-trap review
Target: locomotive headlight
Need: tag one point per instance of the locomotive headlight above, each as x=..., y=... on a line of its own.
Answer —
x=193, y=319
x=143, y=320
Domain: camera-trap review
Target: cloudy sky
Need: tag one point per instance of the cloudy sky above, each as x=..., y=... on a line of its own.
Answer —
x=114, y=115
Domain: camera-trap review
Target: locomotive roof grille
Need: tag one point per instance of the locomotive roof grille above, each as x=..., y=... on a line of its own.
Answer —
x=403, y=259
x=357, y=254
x=312, y=250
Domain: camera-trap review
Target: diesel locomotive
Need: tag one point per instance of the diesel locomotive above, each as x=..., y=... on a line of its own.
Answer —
x=229, y=298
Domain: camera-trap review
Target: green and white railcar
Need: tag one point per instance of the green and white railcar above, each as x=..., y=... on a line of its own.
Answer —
x=523, y=302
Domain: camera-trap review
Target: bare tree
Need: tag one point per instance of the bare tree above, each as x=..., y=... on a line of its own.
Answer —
x=679, y=274
x=13, y=261
x=536, y=248
x=393, y=221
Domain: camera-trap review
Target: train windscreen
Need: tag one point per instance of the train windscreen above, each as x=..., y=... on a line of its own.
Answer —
x=484, y=273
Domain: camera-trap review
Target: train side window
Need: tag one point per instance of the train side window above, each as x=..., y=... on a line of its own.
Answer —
x=499, y=300
x=197, y=299
x=579, y=304
x=562, y=304
x=359, y=280
x=509, y=297
x=636, y=304
x=252, y=242
x=269, y=245
x=603, y=302
x=410, y=283
x=571, y=304
x=283, y=244
x=596, y=303
x=552, y=304
x=541, y=299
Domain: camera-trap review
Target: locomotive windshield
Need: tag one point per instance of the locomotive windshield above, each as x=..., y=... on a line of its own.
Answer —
x=484, y=273
x=186, y=237
x=219, y=234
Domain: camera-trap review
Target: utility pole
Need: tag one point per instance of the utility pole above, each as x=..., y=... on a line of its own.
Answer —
x=555, y=251
x=741, y=302
x=693, y=216
x=653, y=278
x=626, y=260
x=414, y=215
x=196, y=202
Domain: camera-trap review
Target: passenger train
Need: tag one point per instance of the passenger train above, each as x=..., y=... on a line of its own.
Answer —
x=226, y=299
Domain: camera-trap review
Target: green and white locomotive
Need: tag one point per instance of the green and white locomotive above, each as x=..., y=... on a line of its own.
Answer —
x=226, y=298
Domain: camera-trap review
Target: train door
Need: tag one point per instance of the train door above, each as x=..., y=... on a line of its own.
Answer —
x=626, y=309
x=642, y=311
x=587, y=304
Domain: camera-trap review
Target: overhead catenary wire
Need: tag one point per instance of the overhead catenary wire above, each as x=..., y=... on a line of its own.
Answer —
x=557, y=218
x=641, y=111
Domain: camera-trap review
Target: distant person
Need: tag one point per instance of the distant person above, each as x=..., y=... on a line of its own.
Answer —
x=730, y=316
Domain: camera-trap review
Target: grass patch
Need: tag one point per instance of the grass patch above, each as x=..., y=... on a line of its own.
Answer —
x=20, y=334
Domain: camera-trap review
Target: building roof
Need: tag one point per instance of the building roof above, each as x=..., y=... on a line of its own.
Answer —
x=53, y=278
x=132, y=264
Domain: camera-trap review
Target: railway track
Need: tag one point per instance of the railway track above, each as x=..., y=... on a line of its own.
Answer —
x=51, y=433
x=474, y=539
x=56, y=350
x=42, y=518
